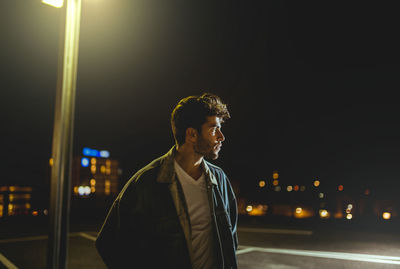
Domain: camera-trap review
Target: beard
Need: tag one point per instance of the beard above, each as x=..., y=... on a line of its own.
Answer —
x=206, y=148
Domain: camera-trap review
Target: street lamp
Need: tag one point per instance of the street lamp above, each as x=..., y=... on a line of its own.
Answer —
x=63, y=134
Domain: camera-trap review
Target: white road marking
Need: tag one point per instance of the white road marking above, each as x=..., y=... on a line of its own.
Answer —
x=7, y=263
x=87, y=236
x=274, y=231
x=325, y=254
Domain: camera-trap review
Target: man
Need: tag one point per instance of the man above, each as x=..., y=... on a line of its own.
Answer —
x=179, y=211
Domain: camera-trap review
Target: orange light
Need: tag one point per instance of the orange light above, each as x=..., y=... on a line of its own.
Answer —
x=386, y=215
x=316, y=183
x=340, y=188
x=275, y=182
x=289, y=188
x=35, y=213
x=261, y=183
x=275, y=175
x=367, y=192
x=296, y=187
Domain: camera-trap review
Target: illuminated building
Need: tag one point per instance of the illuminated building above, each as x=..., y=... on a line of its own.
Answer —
x=94, y=174
x=15, y=200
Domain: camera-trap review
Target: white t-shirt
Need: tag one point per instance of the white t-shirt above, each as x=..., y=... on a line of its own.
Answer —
x=195, y=192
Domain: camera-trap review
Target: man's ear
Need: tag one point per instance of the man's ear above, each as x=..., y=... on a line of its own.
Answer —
x=191, y=135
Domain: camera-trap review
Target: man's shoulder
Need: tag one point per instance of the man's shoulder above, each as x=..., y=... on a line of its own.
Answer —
x=144, y=177
x=216, y=170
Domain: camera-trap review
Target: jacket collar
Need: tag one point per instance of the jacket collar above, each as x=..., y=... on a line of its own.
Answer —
x=167, y=170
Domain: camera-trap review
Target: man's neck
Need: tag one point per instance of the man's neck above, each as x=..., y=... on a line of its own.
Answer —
x=189, y=161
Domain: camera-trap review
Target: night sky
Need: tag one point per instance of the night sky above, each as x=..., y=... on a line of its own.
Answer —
x=311, y=87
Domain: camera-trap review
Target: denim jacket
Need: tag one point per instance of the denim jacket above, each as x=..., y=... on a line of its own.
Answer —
x=148, y=225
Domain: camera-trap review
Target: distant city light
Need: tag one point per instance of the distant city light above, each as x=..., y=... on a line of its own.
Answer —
x=85, y=162
x=104, y=154
x=323, y=213
x=275, y=175
x=340, y=188
x=349, y=216
x=84, y=190
x=296, y=188
x=386, y=215
x=96, y=153
x=275, y=182
x=249, y=208
x=261, y=183
x=302, y=188
x=289, y=188
x=321, y=195
x=299, y=210
x=348, y=210
x=350, y=206
x=316, y=183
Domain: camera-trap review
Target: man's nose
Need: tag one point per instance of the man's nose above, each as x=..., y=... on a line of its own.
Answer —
x=221, y=136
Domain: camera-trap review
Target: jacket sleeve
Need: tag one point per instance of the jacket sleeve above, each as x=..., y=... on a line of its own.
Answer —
x=107, y=242
x=233, y=212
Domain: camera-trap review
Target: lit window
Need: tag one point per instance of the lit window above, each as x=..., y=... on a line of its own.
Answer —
x=85, y=162
x=93, y=161
x=93, y=169
x=107, y=185
x=103, y=169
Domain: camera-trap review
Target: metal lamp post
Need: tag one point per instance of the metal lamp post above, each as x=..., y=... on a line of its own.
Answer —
x=60, y=189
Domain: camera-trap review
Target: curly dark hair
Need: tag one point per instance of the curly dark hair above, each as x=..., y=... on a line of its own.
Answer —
x=193, y=111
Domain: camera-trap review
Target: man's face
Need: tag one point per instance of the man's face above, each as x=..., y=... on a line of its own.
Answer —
x=210, y=139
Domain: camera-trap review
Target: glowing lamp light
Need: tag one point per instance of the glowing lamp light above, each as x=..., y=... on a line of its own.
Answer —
x=386, y=215
x=275, y=175
x=275, y=182
x=299, y=210
x=323, y=213
x=316, y=183
x=289, y=188
x=249, y=208
x=84, y=190
x=54, y=3
x=340, y=188
x=104, y=154
x=85, y=162
x=261, y=183
x=296, y=187
x=349, y=216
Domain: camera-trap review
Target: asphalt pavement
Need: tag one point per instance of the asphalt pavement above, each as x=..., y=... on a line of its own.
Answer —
x=23, y=244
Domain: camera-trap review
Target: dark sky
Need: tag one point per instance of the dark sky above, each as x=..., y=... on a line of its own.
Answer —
x=310, y=86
